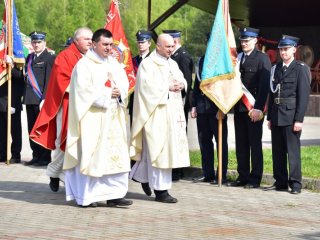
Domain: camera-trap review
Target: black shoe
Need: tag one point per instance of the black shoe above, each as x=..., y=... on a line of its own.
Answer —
x=167, y=198
x=32, y=162
x=237, y=184
x=146, y=188
x=92, y=205
x=41, y=163
x=251, y=185
x=276, y=188
x=202, y=179
x=120, y=202
x=15, y=160
x=54, y=184
x=295, y=191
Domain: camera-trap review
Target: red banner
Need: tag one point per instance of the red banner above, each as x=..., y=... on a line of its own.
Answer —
x=3, y=50
x=121, y=47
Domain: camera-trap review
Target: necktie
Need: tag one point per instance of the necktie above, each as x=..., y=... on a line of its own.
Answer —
x=244, y=58
x=284, y=69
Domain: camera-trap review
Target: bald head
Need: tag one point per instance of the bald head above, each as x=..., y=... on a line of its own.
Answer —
x=165, y=45
x=83, y=39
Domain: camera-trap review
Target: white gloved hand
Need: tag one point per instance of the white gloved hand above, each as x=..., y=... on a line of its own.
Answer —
x=41, y=104
x=13, y=110
x=8, y=59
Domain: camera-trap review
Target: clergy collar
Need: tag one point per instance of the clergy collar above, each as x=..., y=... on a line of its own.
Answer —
x=98, y=57
x=161, y=57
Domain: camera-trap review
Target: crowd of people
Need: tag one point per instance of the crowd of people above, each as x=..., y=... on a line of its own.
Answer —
x=76, y=104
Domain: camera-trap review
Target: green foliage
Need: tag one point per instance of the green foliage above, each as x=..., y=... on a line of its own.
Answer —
x=59, y=19
x=310, y=161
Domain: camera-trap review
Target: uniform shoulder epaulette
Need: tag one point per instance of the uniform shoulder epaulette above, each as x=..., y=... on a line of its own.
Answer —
x=301, y=63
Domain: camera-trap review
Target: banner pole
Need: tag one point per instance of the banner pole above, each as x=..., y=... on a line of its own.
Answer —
x=10, y=53
x=219, y=148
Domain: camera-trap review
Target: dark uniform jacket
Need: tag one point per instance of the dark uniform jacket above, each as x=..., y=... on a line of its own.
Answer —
x=290, y=104
x=41, y=67
x=136, y=62
x=185, y=63
x=17, y=84
x=255, y=76
x=202, y=103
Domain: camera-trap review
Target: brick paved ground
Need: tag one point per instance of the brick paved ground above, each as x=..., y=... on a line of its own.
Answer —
x=29, y=210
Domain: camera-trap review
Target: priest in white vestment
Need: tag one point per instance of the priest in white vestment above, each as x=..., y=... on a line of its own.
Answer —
x=97, y=160
x=158, y=135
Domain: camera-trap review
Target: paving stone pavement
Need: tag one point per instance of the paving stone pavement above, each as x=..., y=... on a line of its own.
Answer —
x=29, y=210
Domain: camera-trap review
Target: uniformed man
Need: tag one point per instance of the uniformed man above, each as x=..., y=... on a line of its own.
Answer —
x=185, y=63
x=288, y=101
x=144, y=43
x=207, y=125
x=16, y=108
x=248, y=112
x=38, y=68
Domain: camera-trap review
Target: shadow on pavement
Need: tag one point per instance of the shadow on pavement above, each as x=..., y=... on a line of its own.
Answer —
x=38, y=193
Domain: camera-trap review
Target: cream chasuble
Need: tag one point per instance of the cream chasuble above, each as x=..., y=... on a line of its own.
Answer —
x=159, y=112
x=97, y=136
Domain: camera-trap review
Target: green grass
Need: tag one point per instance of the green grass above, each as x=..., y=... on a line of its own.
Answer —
x=310, y=161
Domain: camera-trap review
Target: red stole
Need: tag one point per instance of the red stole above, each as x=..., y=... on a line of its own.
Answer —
x=44, y=131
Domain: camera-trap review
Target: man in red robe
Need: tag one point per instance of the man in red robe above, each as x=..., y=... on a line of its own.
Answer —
x=50, y=128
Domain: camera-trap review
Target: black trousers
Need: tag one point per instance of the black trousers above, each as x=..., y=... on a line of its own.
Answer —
x=286, y=146
x=248, y=136
x=38, y=152
x=207, y=125
x=16, y=135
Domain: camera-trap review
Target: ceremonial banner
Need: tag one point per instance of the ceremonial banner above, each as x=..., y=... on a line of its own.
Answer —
x=18, y=54
x=121, y=46
x=220, y=76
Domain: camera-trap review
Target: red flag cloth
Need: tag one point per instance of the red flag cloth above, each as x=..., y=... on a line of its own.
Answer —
x=3, y=50
x=44, y=131
x=121, y=46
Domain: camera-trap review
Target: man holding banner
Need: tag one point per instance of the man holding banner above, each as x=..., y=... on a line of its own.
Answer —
x=220, y=78
x=255, y=69
x=16, y=108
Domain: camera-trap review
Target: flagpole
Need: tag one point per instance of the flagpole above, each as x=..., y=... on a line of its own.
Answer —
x=10, y=53
x=219, y=148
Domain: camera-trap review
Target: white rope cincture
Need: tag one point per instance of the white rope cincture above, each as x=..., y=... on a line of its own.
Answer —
x=278, y=86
